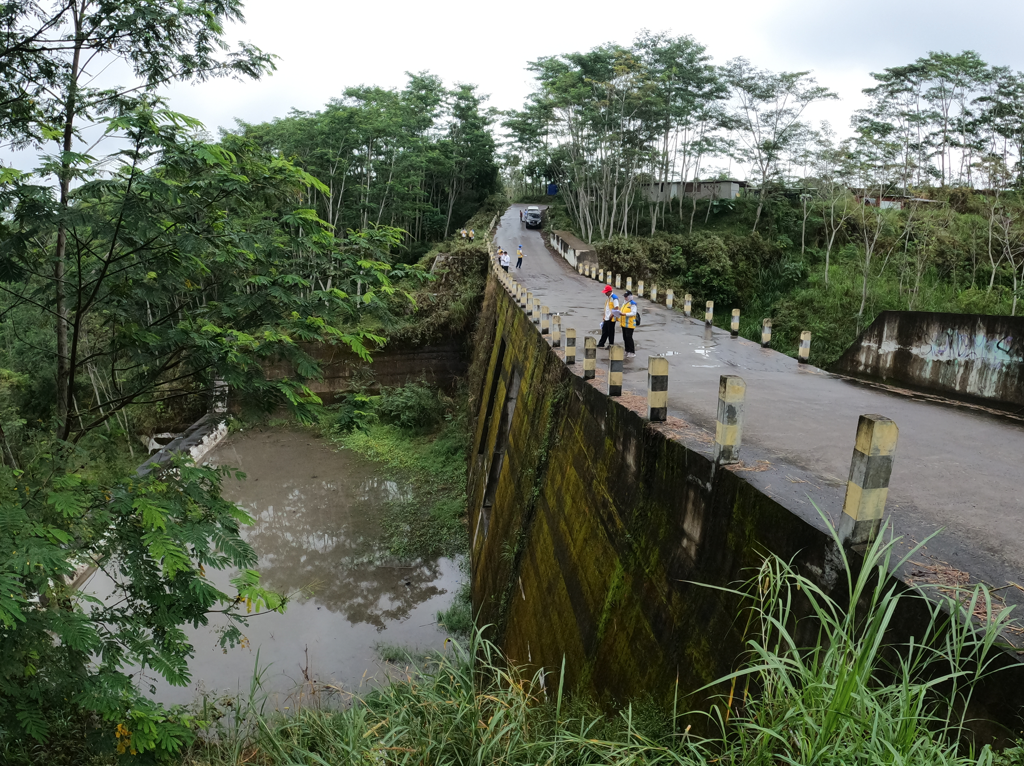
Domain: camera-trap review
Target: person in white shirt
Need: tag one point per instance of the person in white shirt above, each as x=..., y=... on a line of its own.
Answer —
x=611, y=317
x=504, y=260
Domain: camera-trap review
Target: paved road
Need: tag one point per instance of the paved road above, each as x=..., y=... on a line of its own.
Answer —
x=957, y=469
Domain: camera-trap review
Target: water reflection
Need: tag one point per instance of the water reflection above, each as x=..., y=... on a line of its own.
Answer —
x=317, y=525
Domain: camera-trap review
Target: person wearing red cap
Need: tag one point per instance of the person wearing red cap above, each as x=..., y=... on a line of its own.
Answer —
x=611, y=317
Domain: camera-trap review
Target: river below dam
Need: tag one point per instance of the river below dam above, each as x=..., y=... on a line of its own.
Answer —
x=317, y=514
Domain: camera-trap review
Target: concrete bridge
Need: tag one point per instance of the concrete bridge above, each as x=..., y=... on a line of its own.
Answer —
x=959, y=469
x=587, y=522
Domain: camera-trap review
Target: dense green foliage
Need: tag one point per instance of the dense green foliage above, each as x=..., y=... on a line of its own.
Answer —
x=420, y=158
x=835, y=701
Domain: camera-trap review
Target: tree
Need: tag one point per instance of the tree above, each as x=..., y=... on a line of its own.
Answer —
x=768, y=112
x=831, y=166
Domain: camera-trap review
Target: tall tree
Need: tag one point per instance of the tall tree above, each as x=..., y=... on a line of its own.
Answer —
x=768, y=111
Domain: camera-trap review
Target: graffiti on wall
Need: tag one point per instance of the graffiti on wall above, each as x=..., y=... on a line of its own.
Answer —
x=960, y=346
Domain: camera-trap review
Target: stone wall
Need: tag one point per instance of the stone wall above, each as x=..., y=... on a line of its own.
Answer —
x=594, y=536
x=977, y=358
x=441, y=363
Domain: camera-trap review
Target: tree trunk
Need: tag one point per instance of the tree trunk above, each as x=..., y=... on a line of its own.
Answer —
x=65, y=365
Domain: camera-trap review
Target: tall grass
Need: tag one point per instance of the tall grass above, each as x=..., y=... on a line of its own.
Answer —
x=820, y=685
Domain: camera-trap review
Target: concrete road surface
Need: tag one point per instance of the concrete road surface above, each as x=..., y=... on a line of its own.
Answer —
x=957, y=469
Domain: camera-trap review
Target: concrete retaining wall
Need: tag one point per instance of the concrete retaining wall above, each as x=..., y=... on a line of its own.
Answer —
x=978, y=358
x=574, y=250
x=590, y=529
x=441, y=364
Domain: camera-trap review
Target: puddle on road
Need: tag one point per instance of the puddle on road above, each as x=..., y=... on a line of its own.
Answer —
x=317, y=515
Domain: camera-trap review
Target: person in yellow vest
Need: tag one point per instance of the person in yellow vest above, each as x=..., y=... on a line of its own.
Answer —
x=628, y=314
x=463, y=233
x=471, y=235
x=519, y=257
x=611, y=317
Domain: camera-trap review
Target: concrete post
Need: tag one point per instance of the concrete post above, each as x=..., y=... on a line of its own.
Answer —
x=536, y=310
x=766, y=333
x=629, y=283
x=709, y=313
x=600, y=275
x=579, y=268
x=734, y=325
x=657, y=388
x=868, y=487
x=687, y=305
x=615, y=356
x=729, y=423
x=670, y=298
x=608, y=277
x=654, y=293
x=804, y=354
x=640, y=289
x=556, y=331
x=529, y=304
x=545, y=321
x=570, y=345
x=618, y=281
x=589, y=357
x=522, y=297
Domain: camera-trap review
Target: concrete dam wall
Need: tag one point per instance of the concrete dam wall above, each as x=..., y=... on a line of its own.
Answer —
x=977, y=358
x=595, y=532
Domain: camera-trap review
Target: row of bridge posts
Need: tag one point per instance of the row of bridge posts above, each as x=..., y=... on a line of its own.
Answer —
x=593, y=272
x=875, y=445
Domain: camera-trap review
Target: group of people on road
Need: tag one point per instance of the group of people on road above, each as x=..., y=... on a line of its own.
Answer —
x=505, y=260
x=468, y=234
x=622, y=312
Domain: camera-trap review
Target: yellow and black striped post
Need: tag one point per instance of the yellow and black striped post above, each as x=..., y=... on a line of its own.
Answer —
x=529, y=304
x=804, y=354
x=687, y=305
x=670, y=298
x=545, y=321
x=868, y=486
x=734, y=325
x=629, y=283
x=709, y=313
x=640, y=289
x=522, y=297
x=556, y=331
x=593, y=271
x=600, y=275
x=536, y=310
x=608, y=277
x=615, y=356
x=589, y=358
x=570, y=345
x=729, y=423
x=657, y=388
x=618, y=281
x=586, y=270
x=766, y=333
x=654, y=293
x=579, y=268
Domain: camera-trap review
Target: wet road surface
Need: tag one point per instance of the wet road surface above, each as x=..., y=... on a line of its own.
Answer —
x=957, y=469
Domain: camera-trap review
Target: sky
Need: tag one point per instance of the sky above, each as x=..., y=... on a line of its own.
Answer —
x=326, y=46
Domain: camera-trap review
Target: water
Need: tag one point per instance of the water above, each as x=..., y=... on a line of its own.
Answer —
x=317, y=514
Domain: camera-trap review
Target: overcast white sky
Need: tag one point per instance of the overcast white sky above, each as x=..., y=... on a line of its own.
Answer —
x=326, y=46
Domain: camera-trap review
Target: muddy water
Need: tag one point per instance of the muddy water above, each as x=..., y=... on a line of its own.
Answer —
x=317, y=513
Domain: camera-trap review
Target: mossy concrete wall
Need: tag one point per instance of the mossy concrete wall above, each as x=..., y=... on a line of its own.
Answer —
x=594, y=535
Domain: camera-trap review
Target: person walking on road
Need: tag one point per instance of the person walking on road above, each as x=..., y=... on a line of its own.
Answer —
x=628, y=316
x=504, y=260
x=519, y=257
x=520, y=215
x=611, y=316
